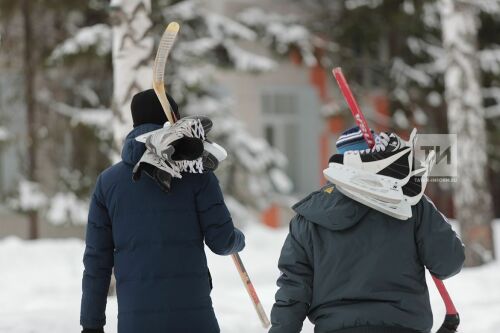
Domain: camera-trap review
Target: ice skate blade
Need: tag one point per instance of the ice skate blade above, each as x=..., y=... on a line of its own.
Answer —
x=216, y=150
x=401, y=211
x=383, y=188
x=143, y=138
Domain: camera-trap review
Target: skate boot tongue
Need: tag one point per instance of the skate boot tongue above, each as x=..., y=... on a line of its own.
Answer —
x=395, y=142
x=381, y=144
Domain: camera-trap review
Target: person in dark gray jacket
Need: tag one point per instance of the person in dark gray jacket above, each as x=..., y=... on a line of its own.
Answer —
x=352, y=269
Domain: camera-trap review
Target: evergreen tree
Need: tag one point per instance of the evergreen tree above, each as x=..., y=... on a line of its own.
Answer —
x=78, y=93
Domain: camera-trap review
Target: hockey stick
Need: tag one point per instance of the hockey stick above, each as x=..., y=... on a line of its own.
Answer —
x=166, y=43
x=452, y=319
x=251, y=290
x=353, y=105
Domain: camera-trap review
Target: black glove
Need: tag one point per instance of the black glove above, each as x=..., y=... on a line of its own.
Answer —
x=93, y=330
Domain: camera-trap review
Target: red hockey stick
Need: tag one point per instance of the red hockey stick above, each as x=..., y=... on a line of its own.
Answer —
x=353, y=105
x=452, y=318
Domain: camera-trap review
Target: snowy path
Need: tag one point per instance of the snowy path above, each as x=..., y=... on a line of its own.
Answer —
x=40, y=287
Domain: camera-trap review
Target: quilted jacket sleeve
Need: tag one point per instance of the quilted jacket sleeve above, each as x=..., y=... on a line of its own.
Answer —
x=216, y=223
x=98, y=262
x=294, y=296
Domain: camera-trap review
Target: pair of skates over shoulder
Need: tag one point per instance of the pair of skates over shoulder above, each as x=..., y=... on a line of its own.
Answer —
x=179, y=148
x=386, y=177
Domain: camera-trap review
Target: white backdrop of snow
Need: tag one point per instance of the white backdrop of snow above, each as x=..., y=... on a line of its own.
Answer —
x=40, y=287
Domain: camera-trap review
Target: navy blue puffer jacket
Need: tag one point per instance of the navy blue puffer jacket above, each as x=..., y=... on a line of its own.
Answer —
x=154, y=242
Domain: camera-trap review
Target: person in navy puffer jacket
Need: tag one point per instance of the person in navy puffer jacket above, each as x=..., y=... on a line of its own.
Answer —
x=154, y=242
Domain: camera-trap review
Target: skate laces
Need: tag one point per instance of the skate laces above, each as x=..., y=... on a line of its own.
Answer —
x=169, y=166
x=381, y=142
x=159, y=142
x=191, y=128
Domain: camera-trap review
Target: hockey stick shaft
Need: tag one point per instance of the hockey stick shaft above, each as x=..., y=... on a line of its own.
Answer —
x=353, y=105
x=363, y=125
x=251, y=290
x=450, y=307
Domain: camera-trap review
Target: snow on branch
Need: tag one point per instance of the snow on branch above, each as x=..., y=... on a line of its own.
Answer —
x=96, y=37
x=197, y=47
x=431, y=16
x=487, y=6
x=184, y=10
x=257, y=17
x=99, y=118
x=353, y=4
x=189, y=76
x=282, y=30
x=419, y=46
x=493, y=93
x=248, y=61
x=403, y=73
x=489, y=60
x=492, y=111
x=222, y=27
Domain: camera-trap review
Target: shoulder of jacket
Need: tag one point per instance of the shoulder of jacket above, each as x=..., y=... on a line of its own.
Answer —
x=324, y=197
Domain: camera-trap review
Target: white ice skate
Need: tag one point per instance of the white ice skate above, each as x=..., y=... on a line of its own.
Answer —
x=412, y=193
x=401, y=210
x=212, y=155
x=415, y=188
x=206, y=123
x=379, y=172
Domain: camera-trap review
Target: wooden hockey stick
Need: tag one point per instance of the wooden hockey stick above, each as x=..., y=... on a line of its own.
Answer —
x=166, y=43
x=452, y=319
x=251, y=290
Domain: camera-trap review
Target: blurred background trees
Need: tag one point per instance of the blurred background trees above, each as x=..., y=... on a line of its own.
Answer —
x=85, y=60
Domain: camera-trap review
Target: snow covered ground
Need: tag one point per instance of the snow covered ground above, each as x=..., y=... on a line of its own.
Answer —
x=40, y=287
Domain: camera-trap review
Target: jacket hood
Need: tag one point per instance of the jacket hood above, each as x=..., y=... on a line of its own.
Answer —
x=331, y=209
x=133, y=150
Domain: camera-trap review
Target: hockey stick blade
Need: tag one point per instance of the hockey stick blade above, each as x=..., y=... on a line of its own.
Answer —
x=166, y=43
x=450, y=324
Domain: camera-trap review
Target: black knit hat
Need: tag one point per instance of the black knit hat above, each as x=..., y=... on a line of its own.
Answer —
x=146, y=108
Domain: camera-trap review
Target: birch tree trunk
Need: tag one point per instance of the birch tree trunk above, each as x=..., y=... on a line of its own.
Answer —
x=133, y=52
x=472, y=197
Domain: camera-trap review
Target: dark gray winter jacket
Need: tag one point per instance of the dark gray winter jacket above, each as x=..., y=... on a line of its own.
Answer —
x=345, y=265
